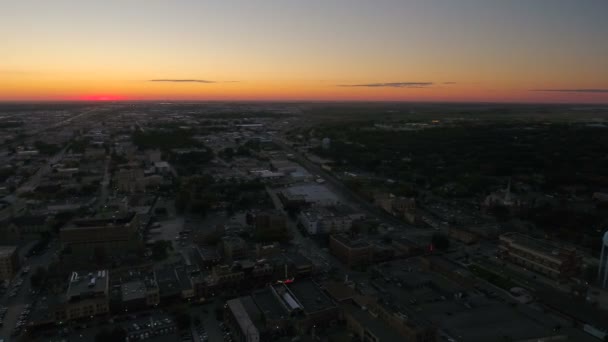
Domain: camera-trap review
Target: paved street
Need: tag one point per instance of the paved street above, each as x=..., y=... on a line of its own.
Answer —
x=16, y=304
x=323, y=260
x=33, y=181
x=104, y=187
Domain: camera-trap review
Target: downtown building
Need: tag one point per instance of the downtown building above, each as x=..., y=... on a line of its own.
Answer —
x=113, y=235
x=540, y=256
x=88, y=295
x=281, y=309
x=328, y=220
x=9, y=262
x=351, y=252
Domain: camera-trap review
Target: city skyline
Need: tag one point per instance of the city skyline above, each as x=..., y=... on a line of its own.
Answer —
x=465, y=51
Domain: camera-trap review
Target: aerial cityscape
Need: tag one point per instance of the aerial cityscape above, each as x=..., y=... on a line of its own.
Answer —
x=331, y=171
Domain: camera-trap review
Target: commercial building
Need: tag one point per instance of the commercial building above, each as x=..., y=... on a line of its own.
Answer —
x=603, y=269
x=267, y=250
x=9, y=262
x=234, y=248
x=294, y=171
x=377, y=324
x=174, y=282
x=540, y=256
x=25, y=227
x=240, y=275
x=240, y=317
x=87, y=296
x=405, y=248
x=403, y=207
x=207, y=257
x=139, y=294
x=462, y=235
x=129, y=180
x=311, y=194
x=268, y=313
x=162, y=167
x=313, y=308
x=417, y=297
x=328, y=220
x=114, y=235
x=352, y=252
x=272, y=221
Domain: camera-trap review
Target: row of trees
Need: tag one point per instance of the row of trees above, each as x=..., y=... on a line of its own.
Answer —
x=200, y=193
x=480, y=153
x=165, y=139
x=229, y=153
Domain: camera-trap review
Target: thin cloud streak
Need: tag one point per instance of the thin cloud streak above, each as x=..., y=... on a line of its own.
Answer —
x=572, y=90
x=182, y=81
x=391, y=85
x=17, y=72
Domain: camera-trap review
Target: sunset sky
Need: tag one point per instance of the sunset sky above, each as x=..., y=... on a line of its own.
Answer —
x=405, y=50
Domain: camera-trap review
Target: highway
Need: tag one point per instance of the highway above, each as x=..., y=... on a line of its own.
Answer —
x=321, y=259
x=36, y=133
x=104, y=186
x=33, y=181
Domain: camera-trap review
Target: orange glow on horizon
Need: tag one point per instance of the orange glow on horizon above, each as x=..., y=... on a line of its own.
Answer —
x=99, y=98
x=417, y=50
x=46, y=88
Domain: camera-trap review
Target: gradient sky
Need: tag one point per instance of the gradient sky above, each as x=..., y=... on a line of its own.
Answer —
x=423, y=50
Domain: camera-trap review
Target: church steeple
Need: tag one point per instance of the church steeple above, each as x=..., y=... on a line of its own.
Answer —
x=508, y=193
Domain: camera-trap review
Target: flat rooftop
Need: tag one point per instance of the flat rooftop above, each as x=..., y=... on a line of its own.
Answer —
x=541, y=246
x=206, y=253
x=376, y=326
x=167, y=281
x=88, y=284
x=268, y=304
x=359, y=243
x=488, y=322
x=241, y=315
x=312, y=298
x=161, y=164
x=312, y=193
x=104, y=221
x=133, y=290
x=6, y=251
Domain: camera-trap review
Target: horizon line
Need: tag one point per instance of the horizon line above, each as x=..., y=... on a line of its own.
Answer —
x=302, y=101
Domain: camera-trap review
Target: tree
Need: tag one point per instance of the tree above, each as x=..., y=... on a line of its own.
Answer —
x=183, y=320
x=440, y=241
x=219, y=314
x=38, y=278
x=100, y=255
x=249, y=218
x=54, y=267
x=118, y=334
x=160, y=249
x=500, y=212
x=228, y=153
x=103, y=336
x=242, y=151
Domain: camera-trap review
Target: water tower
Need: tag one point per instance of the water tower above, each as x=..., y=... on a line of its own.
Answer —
x=326, y=143
x=603, y=271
